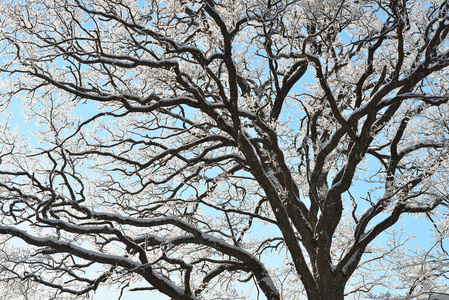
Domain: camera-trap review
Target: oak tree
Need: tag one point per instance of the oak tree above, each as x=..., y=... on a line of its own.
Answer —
x=220, y=148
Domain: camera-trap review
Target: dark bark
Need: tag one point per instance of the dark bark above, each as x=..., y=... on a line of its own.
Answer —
x=191, y=148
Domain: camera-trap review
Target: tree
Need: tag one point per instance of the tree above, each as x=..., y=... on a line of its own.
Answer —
x=168, y=133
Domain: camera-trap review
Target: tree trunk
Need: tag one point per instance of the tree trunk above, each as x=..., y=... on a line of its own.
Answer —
x=331, y=290
x=330, y=287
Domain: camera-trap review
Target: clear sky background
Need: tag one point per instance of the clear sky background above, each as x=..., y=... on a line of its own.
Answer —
x=421, y=228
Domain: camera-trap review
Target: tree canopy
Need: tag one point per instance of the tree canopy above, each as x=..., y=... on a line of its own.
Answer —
x=221, y=148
